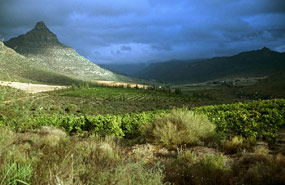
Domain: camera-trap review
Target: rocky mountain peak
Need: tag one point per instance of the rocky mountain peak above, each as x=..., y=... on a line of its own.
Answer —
x=41, y=33
x=41, y=26
x=38, y=38
x=265, y=49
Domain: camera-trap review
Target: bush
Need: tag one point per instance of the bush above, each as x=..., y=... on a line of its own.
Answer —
x=177, y=91
x=132, y=124
x=191, y=169
x=180, y=127
x=262, y=169
x=238, y=143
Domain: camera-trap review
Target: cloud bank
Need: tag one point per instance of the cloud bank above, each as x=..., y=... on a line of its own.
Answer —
x=128, y=31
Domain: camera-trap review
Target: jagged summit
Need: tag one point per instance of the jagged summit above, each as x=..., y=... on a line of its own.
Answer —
x=39, y=37
x=41, y=29
x=265, y=49
x=40, y=25
x=41, y=33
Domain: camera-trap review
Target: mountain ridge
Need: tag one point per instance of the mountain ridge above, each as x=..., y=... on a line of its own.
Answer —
x=245, y=64
x=42, y=45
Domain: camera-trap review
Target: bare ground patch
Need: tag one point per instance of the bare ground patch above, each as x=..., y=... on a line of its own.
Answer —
x=32, y=88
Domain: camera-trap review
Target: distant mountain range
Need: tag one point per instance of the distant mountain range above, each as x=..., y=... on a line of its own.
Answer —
x=263, y=62
x=41, y=45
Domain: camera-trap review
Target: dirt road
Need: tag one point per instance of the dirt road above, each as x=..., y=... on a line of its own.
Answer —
x=31, y=88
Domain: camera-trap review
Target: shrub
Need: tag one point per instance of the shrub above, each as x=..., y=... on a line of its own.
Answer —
x=177, y=91
x=180, y=127
x=238, y=143
x=191, y=169
x=262, y=169
x=71, y=108
x=132, y=124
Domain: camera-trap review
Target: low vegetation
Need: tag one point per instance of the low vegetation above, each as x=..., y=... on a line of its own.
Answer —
x=180, y=127
x=50, y=157
x=45, y=143
x=260, y=119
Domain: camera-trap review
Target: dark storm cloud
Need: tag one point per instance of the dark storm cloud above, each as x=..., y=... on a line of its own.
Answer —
x=151, y=30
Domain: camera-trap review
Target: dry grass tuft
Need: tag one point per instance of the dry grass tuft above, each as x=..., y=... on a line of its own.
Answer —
x=181, y=127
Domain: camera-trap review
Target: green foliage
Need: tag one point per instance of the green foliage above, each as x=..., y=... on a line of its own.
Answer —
x=256, y=119
x=128, y=125
x=180, y=127
x=132, y=123
x=11, y=171
x=251, y=119
x=101, y=92
x=110, y=100
x=13, y=113
x=14, y=173
x=19, y=115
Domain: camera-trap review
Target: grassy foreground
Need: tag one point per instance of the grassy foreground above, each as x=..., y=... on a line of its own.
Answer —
x=203, y=145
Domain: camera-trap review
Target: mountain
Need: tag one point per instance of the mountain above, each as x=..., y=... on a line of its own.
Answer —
x=125, y=69
x=263, y=62
x=42, y=45
x=15, y=67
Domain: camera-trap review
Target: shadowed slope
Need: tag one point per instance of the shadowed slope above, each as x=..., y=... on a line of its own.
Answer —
x=257, y=63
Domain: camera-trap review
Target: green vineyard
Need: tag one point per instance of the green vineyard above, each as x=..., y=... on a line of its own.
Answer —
x=109, y=100
x=126, y=94
x=259, y=119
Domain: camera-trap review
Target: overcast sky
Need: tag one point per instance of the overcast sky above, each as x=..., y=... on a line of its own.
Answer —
x=130, y=31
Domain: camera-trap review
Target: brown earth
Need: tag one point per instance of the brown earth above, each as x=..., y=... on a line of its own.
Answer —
x=31, y=88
